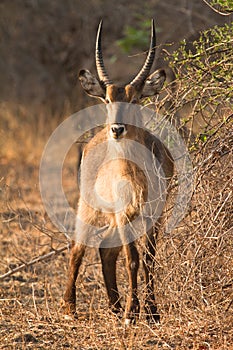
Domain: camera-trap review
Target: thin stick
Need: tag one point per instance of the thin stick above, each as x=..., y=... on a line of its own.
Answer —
x=227, y=13
x=34, y=261
x=34, y=301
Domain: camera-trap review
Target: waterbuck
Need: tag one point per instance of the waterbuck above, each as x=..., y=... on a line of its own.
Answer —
x=114, y=187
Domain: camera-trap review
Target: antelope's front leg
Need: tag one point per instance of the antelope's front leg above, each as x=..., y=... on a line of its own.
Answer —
x=76, y=255
x=132, y=303
x=109, y=258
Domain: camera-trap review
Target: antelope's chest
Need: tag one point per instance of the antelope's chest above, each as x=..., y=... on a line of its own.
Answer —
x=119, y=185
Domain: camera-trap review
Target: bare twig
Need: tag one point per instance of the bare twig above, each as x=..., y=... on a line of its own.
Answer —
x=227, y=13
x=34, y=261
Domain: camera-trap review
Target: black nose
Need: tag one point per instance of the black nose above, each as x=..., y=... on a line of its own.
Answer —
x=117, y=130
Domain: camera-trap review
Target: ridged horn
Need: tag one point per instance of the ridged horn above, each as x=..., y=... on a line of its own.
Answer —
x=102, y=73
x=145, y=70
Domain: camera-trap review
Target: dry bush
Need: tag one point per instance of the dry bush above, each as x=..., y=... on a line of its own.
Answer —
x=195, y=265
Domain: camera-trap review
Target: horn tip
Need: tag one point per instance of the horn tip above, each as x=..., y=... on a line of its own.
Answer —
x=101, y=23
x=100, y=27
x=153, y=26
x=98, y=35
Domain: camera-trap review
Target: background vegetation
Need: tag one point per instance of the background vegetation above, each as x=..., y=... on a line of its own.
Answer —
x=43, y=45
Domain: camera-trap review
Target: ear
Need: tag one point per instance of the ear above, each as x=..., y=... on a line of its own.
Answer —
x=154, y=83
x=91, y=84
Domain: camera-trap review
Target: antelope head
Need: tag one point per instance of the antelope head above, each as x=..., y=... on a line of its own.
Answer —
x=142, y=86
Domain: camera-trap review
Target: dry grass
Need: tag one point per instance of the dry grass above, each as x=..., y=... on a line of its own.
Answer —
x=194, y=265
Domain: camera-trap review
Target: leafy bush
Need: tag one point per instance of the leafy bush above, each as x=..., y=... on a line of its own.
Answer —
x=224, y=5
x=203, y=97
x=135, y=37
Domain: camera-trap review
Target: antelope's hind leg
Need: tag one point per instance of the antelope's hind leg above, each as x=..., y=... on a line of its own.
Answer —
x=108, y=259
x=132, y=265
x=148, y=264
x=76, y=255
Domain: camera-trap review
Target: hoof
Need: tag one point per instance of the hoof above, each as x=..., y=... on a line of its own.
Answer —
x=128, y=322
x=131, y=321
x=117, y=310
x=68, y=317
x=68, y=309
x=132, y=314
x=152, y=315
x=153, y=319
x=131, y=318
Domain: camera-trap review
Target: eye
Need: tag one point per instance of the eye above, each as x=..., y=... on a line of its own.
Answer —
x=107, y=100
x=134, y=100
